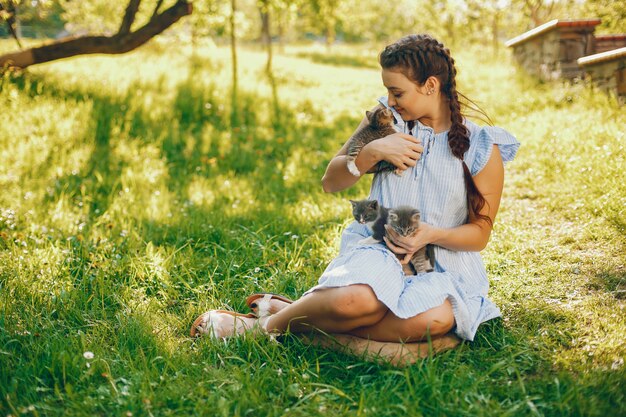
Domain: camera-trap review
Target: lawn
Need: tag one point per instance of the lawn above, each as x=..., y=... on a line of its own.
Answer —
x=130, y=204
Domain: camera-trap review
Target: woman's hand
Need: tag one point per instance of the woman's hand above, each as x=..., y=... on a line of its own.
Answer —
x=399, y=149
x=408, y=245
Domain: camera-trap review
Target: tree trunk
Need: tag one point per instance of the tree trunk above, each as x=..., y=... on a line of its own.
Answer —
x=18, y=24
x=12, y=22
x=281, y=36
x=117, y=44
x=234, y=115
x=266, y=37
x=494, y=32
x=330, y=34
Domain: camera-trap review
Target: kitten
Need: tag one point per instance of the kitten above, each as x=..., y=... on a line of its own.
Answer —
x=380, y=125
x=403, y=220
x=373, y=215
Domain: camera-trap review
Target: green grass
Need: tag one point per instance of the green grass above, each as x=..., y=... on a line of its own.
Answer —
x=129, y=205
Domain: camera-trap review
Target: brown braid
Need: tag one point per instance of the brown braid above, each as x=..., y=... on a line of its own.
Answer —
x=420, y=57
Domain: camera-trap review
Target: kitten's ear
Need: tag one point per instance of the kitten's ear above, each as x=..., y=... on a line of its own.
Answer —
x=352, y=202
x=415, y=216
x=374, y=204
x=393, y=216
x=368, y=114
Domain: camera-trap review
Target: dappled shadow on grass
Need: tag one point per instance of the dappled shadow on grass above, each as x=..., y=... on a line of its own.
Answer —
x=612, y=281
x=100, y=177
x=257, y=151
x=196, y=138
x=618, y=221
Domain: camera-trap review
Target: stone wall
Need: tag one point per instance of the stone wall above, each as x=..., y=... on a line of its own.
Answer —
x=607, y=71
x=550, y=51
x=540, y=56
x=568, y=49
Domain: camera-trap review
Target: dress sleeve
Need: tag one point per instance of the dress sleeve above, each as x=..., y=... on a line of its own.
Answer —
x=484, y=140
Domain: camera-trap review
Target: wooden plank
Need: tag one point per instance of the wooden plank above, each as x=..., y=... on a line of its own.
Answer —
x=602, y=57
x=620, y=75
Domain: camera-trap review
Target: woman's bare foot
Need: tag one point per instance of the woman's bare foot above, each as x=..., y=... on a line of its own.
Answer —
x=220, y=324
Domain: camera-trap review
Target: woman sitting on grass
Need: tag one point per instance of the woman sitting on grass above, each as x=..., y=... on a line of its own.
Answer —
x=454, y=174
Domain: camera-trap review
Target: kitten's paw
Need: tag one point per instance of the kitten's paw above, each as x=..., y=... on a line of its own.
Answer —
x=353, y=169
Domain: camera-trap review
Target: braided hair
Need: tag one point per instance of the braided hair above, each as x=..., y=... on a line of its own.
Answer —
x=419, y=57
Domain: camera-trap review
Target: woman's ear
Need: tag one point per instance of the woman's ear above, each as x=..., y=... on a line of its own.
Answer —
x=432, y=85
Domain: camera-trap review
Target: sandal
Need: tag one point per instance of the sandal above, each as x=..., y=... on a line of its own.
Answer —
x=260, y=303
x=219, y=324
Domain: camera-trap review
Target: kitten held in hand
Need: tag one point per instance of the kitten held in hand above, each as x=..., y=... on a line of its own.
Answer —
x=403, y=220
x=380, y=125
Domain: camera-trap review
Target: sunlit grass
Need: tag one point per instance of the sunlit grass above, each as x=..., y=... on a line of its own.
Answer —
x=130, y=204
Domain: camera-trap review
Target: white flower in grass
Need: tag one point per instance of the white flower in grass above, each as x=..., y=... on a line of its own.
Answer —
x=88, y=355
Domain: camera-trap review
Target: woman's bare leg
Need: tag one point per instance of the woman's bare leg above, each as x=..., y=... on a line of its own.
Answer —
x=332, y=310
x=434, y=322
x=399, y=354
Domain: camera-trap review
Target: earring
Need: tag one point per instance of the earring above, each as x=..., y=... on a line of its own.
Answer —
x=430, y=92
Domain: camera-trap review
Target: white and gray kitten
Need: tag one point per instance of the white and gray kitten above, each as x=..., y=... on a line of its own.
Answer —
x=380, y=125
x=404, y=220
x=371, y=214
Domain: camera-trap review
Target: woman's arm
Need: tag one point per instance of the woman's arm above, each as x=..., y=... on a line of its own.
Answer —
x=472, y=236
x=400, y=149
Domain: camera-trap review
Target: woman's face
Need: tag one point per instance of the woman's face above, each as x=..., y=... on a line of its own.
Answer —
x=406, y=97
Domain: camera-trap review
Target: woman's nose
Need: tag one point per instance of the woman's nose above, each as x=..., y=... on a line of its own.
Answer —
x=390, y=100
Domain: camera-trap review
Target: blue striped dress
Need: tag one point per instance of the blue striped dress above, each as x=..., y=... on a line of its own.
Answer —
x=436, y=187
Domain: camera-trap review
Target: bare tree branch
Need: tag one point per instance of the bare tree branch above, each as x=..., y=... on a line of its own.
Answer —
x=10, y=20
x=129, y=16
x=157, y=7
x=117, y=44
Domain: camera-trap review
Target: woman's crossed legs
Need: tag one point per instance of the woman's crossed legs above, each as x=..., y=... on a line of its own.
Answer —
x=355, y=310
x=357, y=322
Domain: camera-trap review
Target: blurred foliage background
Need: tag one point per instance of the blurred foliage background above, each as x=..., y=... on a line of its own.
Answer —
x=455, y=22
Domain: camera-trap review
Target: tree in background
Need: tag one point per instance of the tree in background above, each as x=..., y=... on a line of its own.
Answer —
x=485, y=22
x=322, y=18
x=612, y=13
x=455, y=22
x=124, y=40
x=8, y=14
x=285, y=15
x=539, y=11
x=234, y=116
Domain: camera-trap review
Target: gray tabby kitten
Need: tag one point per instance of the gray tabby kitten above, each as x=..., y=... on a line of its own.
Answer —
x=380, y=125
x=403, y=220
